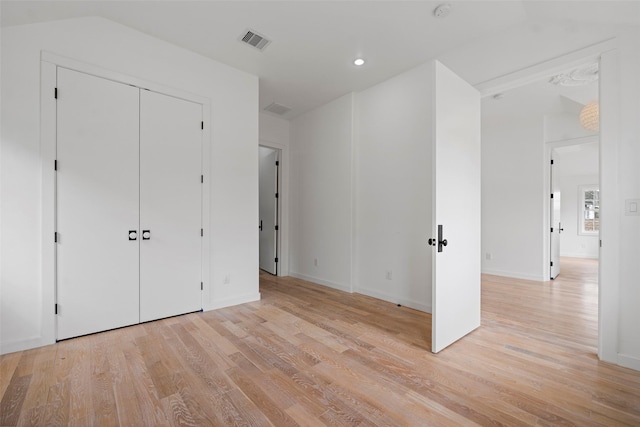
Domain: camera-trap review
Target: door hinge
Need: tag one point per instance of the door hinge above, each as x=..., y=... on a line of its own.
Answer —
x=552, y=229
x=201, y=179
x=201, y=125
x=551, y=263
x=55, y=237
x=201, y=232
x=55, y=165
x=201, y=286
x=276, y=259
x=552, y=195
x=277, y=163
x=276, y=228
x=55, y=93
x=276, y=195
x=55, y=309
x=600, y=242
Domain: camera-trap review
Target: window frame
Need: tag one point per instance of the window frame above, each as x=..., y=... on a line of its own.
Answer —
x=582, y=189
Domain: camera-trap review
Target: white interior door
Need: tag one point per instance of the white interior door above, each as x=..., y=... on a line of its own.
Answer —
x=170, y=206
x=554, y=213
x=268, y=209
x=456, y=199
x=97, y=204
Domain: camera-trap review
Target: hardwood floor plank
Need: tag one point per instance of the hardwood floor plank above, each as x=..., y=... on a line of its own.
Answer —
x=13, y=399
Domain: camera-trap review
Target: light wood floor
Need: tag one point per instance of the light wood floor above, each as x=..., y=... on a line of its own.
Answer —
x=308, y=355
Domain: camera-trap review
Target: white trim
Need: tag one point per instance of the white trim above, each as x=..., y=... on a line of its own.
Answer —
x=581, y=190
x=65, y=62
x=629, y=361
x=516, y=275
x=26, y=344
x=610, y=209
x=283, y=210
x=242, y=299
x=48, y=77
x=544, y=69
x=207, y=284
x=319, y=281
x=578, y=255
x=395, y=300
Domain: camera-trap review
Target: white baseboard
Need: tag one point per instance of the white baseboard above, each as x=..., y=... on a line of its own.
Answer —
x=514, y=275
x=395, y=300
x=630, y=362
x=13, y=346
x=319, y=281
x=228, y=302
x=579, y=255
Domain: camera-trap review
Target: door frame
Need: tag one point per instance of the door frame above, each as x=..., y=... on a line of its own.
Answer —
x=549, y=147
x=48, y=70
x=282, y=240
x=606, y=53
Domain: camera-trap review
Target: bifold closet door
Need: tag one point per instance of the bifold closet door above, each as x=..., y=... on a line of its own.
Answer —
x=170, y=206
x=97, y=204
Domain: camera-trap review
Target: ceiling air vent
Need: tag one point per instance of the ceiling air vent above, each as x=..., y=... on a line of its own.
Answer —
x=277, y=109
x=254, y=39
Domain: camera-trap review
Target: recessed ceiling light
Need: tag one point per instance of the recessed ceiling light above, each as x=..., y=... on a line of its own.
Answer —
x=442, y=11
x=358, y=62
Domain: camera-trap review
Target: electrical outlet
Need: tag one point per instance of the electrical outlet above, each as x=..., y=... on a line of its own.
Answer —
x=315, y=262
x=389, y=275
x=488, y=256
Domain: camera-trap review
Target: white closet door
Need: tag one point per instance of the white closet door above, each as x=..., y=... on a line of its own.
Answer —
x=97, y=204
x=170, y=206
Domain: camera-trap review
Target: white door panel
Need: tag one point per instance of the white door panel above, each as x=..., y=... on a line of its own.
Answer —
x=97, y=204
x=170, y=205
x=456, y=192
x=268, y=211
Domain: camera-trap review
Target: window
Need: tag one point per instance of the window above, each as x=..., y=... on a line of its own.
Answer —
x=589, y=210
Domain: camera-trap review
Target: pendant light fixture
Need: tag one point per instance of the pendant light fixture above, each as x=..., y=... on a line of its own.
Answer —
x=590, y=116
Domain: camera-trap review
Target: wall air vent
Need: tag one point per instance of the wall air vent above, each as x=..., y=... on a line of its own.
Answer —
x=254, y=39
x=278, y=109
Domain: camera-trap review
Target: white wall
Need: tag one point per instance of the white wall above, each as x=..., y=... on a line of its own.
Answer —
x=512, y=192
x=381, y=226
x=27, y=315
x=274, y=130
x=563, y=127
x=393, y=188
x=321, y=194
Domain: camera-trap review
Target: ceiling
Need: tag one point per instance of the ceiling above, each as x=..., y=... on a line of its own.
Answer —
x=314, y=43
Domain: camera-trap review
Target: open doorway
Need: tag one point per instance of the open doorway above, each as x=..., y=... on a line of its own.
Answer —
x=575, y=208
x=269, y=209
x=571, y=139
x=527, y=122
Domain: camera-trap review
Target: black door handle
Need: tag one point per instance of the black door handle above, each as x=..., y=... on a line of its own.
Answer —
x=133, y=234
x=432, y=242
x=260, y=227
x=441, y=242
x=146, y=234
